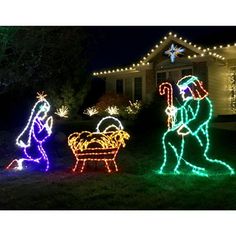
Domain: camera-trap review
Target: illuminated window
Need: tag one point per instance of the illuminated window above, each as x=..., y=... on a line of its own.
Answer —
x=119, y=86
x=138, y=88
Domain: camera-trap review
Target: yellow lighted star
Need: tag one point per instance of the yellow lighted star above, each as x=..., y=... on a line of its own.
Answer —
x=41, y=95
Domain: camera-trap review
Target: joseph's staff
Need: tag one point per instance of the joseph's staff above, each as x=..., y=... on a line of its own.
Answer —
x=166, y=89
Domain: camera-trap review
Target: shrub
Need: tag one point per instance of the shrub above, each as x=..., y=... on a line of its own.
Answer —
x=62, y=112
x=112, y=110
x=91, y=111
x=111, y=99
x=134, y=107
x=132, y=110
x=68, y=97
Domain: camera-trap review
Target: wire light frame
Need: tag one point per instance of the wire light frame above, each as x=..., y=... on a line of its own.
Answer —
x=100, y=146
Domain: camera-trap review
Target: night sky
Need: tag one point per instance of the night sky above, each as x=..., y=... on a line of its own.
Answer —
x=117, y=46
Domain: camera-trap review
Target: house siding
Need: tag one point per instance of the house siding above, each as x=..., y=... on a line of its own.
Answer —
x=110, y=85
x=218, y=88
x=150, y=85
x=214, y=72
x=200, y=70
x=129, y=88
x=231, y=62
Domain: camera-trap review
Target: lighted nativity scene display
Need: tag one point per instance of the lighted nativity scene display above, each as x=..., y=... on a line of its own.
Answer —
x=150, y=132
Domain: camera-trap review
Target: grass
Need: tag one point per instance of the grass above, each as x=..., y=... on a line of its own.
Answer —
x=135, y=186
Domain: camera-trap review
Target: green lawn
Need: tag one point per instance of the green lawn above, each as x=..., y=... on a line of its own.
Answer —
x=135, y=186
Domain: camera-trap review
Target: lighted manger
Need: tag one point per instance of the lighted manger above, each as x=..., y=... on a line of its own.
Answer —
x=100, y=146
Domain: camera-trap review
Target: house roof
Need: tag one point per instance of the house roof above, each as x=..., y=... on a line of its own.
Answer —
x=147, y=59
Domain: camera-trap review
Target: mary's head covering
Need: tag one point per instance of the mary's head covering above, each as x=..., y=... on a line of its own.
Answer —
x=39, y=112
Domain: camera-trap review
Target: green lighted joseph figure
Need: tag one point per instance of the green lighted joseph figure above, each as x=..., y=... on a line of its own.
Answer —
x=188, y=124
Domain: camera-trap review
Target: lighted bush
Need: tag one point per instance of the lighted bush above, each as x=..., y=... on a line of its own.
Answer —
x=67, y=97
x=62, y=112
x=133, y=109
x=91, y=111
x=118, y=105
x=113, y=110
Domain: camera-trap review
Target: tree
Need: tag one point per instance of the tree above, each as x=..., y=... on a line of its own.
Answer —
x=53, y=59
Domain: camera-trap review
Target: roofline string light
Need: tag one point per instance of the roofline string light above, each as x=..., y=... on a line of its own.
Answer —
x=221, y=46
x=206, y=54
x=185, y=41
x=124, y=69
x=144, y=60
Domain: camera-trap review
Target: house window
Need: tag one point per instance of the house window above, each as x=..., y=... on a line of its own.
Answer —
x=138, y=88
x=119, y=86
x=186, y=72
x=161, y=76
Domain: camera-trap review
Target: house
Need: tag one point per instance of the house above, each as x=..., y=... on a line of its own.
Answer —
x=215, y=66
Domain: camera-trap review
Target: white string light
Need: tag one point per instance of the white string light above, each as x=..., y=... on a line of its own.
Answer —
x=153, y=51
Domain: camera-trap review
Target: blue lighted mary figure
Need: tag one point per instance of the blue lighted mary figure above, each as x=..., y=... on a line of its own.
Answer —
x=31, y=139
x=186, y=143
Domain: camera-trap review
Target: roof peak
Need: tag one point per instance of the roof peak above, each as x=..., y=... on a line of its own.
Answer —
x=145, y=61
